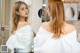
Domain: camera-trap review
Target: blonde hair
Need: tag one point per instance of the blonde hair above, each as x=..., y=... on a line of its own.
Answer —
x=15, y=17
x=56, y=11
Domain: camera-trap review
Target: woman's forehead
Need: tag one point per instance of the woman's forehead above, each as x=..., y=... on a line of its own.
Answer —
x=23, y=5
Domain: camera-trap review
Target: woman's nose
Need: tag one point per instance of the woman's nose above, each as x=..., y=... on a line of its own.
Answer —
x=26, y=10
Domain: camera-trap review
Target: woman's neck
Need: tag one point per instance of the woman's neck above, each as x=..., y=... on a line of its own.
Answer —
x=50, y=20
x=22, y=19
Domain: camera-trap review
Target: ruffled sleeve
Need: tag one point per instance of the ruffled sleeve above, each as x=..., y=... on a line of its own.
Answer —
x=40, y=39
x=22, y=39
x=9, y=42
x=25, y=36
x=71, y=41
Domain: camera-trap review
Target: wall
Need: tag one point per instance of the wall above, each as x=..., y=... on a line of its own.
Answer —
x=35, y=19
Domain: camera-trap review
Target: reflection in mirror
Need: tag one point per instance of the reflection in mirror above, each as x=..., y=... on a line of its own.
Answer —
x=28, y=2
x=45, y=16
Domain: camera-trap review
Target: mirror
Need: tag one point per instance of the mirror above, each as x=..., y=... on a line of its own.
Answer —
x=69, y=12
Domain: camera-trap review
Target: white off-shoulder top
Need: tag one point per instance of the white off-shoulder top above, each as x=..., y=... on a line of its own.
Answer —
x=44, y=43
x=22, y=39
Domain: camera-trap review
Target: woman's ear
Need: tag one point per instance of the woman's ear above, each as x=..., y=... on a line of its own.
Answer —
x=17, y=13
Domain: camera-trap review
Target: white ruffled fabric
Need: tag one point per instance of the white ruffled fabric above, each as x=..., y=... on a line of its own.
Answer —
x=44, y=43
x=22, y=39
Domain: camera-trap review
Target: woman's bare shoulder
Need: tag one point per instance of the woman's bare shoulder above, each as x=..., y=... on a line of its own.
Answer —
x=45, y=24
x=21, y=24
x=69, y=28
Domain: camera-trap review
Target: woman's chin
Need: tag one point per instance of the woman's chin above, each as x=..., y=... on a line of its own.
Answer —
x=26, y=16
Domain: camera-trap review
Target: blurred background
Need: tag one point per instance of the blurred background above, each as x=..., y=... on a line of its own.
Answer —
x=72, y=14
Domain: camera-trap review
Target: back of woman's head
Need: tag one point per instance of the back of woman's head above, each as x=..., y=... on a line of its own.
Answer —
x=56, y=12
x=15, y=16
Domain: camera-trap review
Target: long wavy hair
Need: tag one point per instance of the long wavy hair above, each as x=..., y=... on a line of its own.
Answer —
x=56, y=11
x=15, y=16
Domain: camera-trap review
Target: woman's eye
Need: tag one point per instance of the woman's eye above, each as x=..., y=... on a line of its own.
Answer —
x=22, y=9
x=26, y=8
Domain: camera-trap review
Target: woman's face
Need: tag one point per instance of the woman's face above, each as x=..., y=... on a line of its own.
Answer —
x=48, y=12
x=23, y=11
x=43, y=11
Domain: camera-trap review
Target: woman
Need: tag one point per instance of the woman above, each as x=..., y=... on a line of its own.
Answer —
x=56, y=36
x=22, y=35
x=44, y=16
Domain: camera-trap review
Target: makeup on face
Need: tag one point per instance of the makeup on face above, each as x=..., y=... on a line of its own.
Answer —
x=23, y=10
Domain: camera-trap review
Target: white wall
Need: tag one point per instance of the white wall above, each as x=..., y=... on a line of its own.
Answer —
x=28, y=1
x=34, y=18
